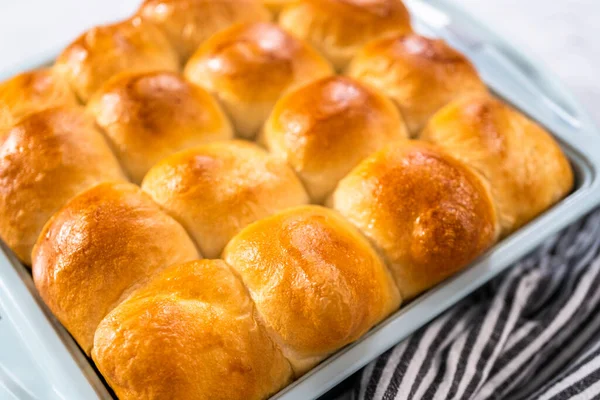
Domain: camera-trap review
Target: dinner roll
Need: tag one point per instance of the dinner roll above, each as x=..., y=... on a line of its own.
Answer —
x=327, y=127
x=316, y=282
x=217, y=189
x=526, y=168
x=249, y=66
x=339, y=28
x=104, y=51
x=32, y=91
x=421, y=75
x=427, y=213
x=188, y=23
x=150, y=115
x=46, y=159
x=275, y=6
x=97, y=249
x=191, y=333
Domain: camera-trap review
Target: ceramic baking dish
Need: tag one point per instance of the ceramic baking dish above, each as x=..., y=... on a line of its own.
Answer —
x=39, y=360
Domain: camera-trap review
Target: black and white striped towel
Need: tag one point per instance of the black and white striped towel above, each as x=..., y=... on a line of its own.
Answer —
x=533, y=333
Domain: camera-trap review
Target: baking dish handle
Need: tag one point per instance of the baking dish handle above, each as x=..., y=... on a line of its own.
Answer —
x=504, y=67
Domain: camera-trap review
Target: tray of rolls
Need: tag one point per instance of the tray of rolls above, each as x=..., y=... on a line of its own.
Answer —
x=245, y=200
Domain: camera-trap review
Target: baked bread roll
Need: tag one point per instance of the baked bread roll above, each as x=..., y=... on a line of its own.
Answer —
x=217, y=189
x=32, y=91
x=46, y=159
x=420, y=74
x=339, y=28
x=427, y=213
x=275, y=6
x=191, y=333
x=325, y=128
x=104, y=51
x=148, y=116
x=526, y=168
x=188, y=23
x=249, y=66
x=316, y=282
x=95, y=251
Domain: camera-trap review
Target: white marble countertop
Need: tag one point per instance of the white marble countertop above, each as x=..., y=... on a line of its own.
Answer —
x=563, y=33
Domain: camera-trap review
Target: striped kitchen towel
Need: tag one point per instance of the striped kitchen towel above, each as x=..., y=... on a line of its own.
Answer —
x=533, y=333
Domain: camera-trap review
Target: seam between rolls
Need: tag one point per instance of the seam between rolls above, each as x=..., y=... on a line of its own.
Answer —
x=380, y=254
x=257, y=317
x=110, y=145
x=131, y=290
x=60, y=72
x=144, y=280
x=489, y=188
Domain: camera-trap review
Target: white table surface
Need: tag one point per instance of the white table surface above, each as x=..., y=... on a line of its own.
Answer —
x=563, y=33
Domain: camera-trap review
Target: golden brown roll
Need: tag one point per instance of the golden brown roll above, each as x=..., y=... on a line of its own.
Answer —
x=150, y=115
x=339, y=28
x=420, y=74
x=191, y=333
x=526, y=168
x=249, y=66
x=188, y=23
x=95, y=251
x=217, y=189
x=32, y=91
x=427, y=213
x=275, y=6
x=316, y=282
x=104, y=51
x=325, y=128
x=45, y=160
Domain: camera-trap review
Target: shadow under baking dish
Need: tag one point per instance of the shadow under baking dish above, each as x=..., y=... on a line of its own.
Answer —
x=513, y=77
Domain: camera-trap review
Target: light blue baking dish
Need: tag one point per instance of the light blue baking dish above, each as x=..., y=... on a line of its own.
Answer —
x=39, y=360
